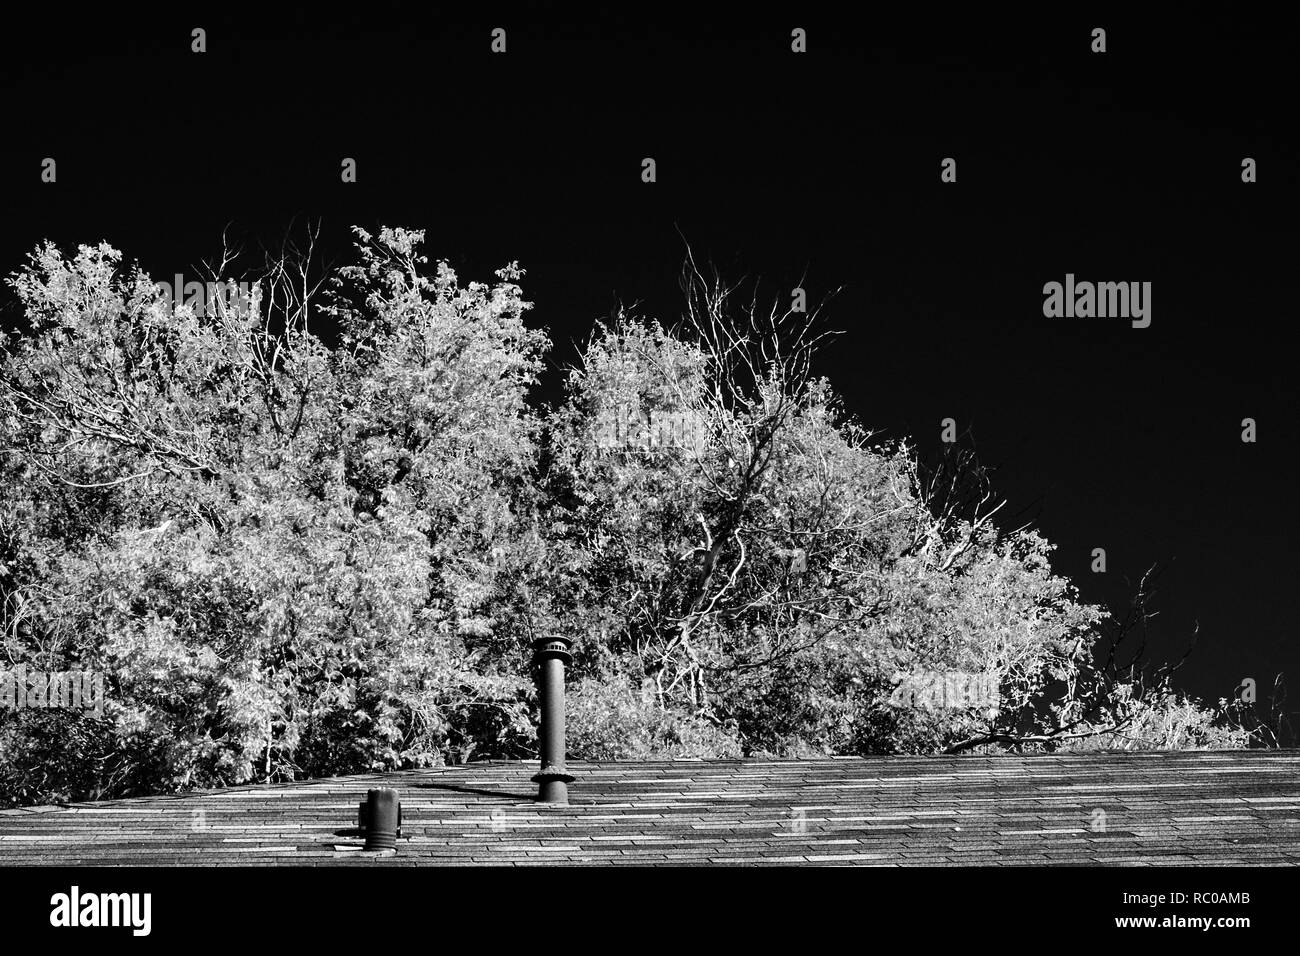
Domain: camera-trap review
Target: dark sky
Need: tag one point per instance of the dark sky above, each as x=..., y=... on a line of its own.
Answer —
x=1123, y=166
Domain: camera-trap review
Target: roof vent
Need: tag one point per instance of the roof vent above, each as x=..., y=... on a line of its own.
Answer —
x=381, y=817
x=551, y=654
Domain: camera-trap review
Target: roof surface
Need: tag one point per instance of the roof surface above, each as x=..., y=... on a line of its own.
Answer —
x=1156, y=808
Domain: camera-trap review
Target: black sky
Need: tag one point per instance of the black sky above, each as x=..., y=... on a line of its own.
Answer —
x=1119, y=166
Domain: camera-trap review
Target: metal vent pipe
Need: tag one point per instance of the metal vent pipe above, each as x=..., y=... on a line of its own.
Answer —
x=381, y=818
x=550, y=656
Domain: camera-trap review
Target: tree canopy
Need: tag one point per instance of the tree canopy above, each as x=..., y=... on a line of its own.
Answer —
x=294, y=553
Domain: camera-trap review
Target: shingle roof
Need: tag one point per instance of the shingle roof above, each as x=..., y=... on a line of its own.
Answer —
x=1158, y=808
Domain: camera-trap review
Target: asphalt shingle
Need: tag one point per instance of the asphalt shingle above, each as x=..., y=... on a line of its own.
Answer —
x=1191, y=808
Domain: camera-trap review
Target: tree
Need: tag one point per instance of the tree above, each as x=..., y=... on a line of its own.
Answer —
x=296, y=554
x=782, y=580
x=288, y=558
